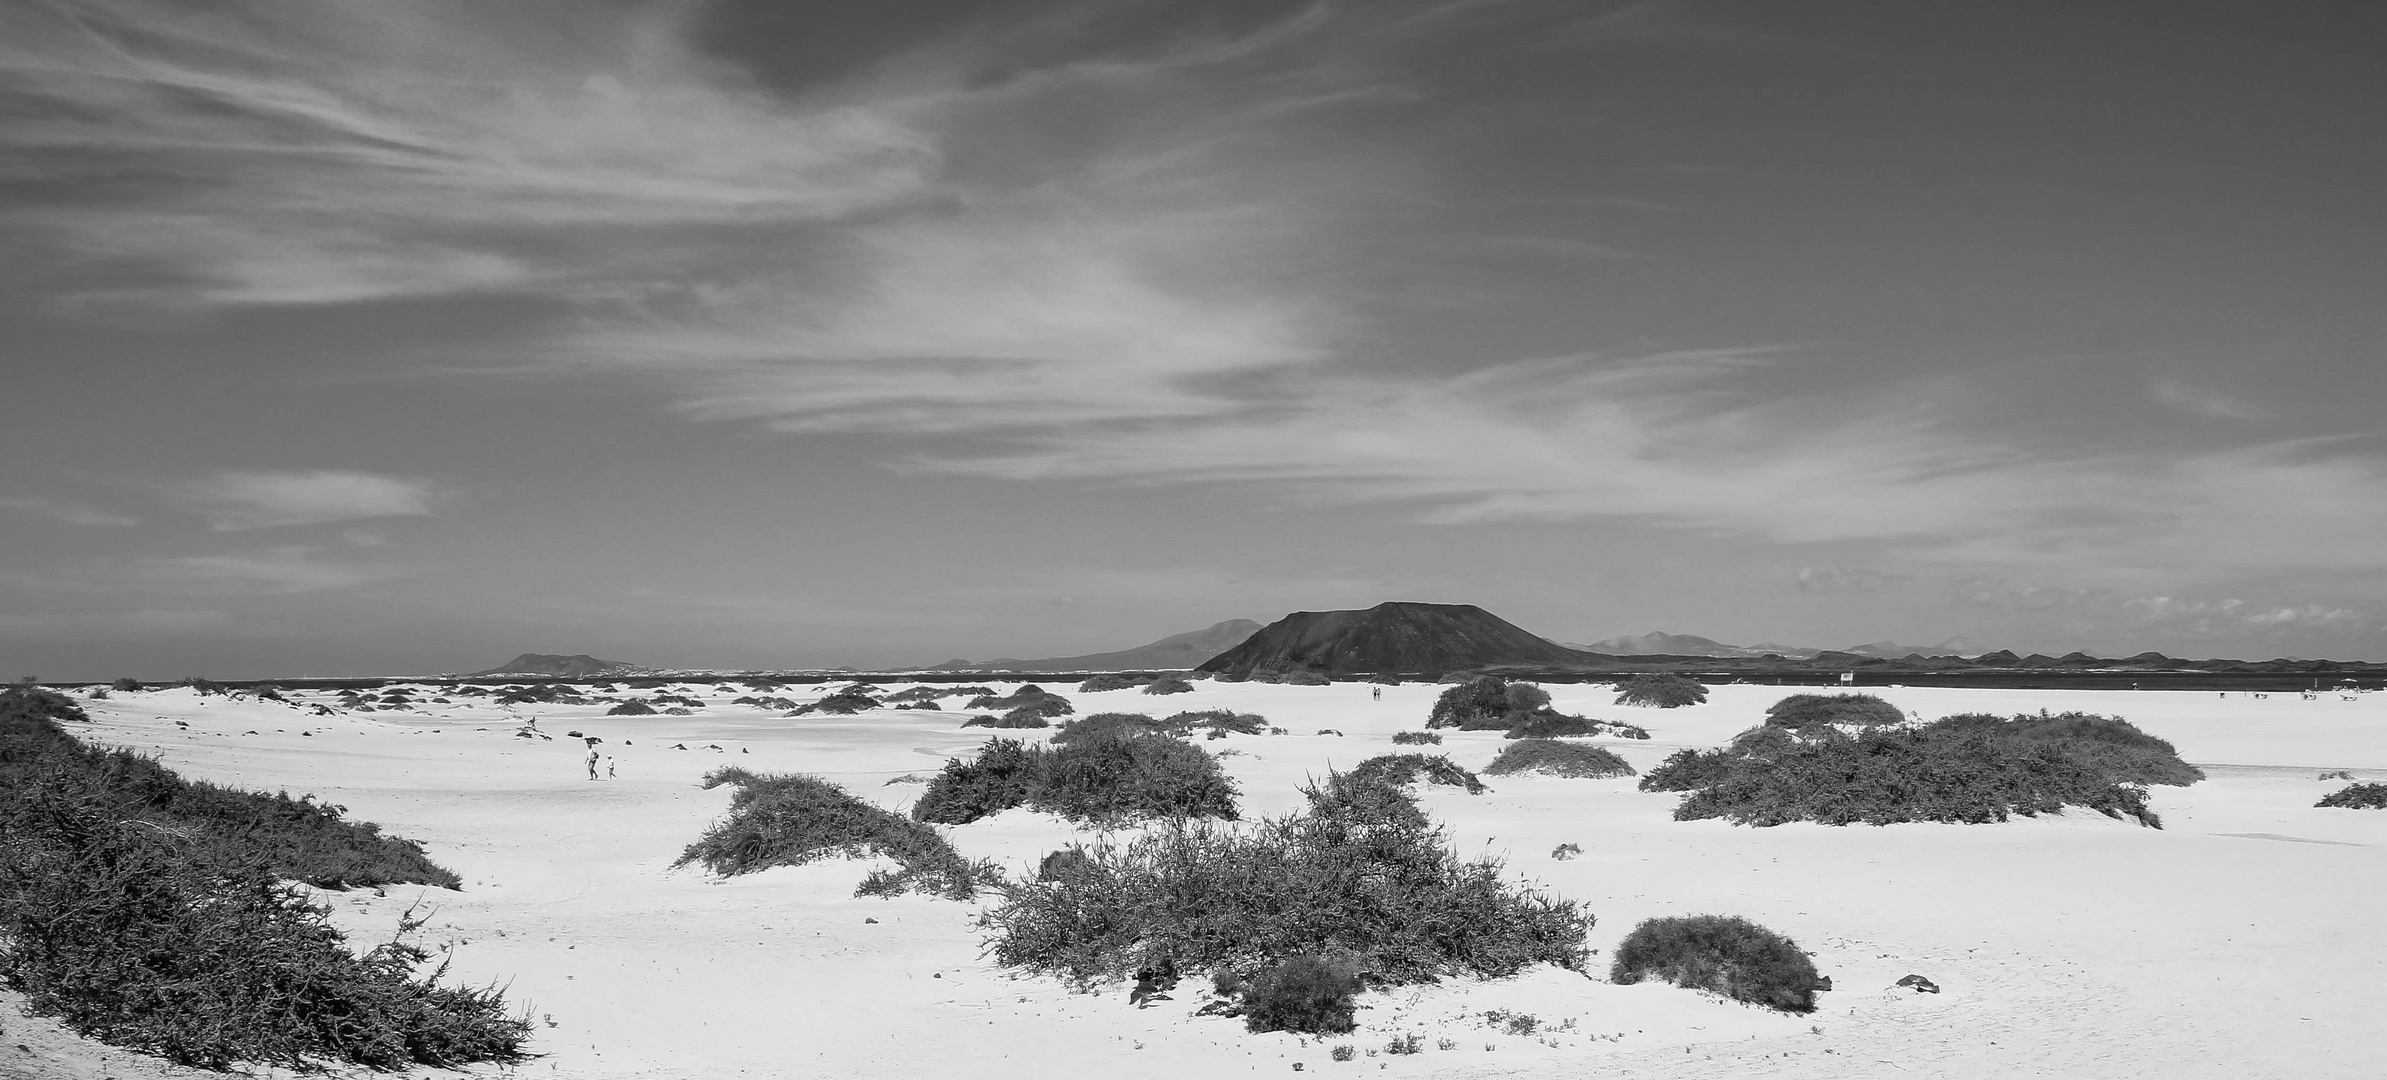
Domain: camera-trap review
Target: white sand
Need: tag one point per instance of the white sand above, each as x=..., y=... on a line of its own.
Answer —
x=2240, y=941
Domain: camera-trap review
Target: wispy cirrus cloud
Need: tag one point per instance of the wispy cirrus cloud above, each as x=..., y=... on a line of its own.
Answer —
x=237, y=500
x=72, y=513
x=274, y=570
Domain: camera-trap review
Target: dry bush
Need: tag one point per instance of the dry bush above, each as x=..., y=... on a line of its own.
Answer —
x=1661, y=691
x=1554, y=757
x=1810, y=710
x=2367, y=796
x=791, y=820
x=1725, y=954
x=1168, y=684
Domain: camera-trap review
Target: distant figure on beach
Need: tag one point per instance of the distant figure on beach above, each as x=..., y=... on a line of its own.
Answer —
x=592, y=763
x=608, y=768
x=1376, y=693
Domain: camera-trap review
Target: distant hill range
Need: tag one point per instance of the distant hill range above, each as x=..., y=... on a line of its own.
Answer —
x=575, y=666
x=1178, y=652
x=1659, y=643
x=1392, y=636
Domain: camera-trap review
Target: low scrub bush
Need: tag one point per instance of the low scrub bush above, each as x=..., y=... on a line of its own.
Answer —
x=127, y=686
x=1416, y=738
x=1970, y=769
x=1661, y=691
x=1117, y=776
x=151, y=913
x=1401, y=770
x=1008, y=720
x=1553, y=757
x=1484, y=703
x=2368, y=796
x=1800, y=711
x=1241, y=901
x=1305, y=992
x=1168, y=684
x=791, y=820
x=1102, y=683
x=1724, y=954
x=631, y=707
x=1217, y=722
x=842, y=703
x=1041, y=709
x=1306, y=678
x=1109, y=725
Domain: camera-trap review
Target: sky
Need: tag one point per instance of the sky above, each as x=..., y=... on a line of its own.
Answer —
x=395, y=337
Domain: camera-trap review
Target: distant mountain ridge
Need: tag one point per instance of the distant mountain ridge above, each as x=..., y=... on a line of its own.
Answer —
x=575, y=666
x=1177, y=652
x=1392, y=636
x=1660, y=643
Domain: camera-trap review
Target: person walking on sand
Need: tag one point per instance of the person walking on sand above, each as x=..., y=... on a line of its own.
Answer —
x=608, y=768
x=592, y=763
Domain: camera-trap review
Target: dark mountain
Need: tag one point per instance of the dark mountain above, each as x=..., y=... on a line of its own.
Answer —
x=1393, y=636
x=1178, y=652
x=575, y=666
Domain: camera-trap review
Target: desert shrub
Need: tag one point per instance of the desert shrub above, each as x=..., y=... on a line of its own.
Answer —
x=99, y=693
x=1059, y=864
x=659, y=699
x=1227, y=677
x=203, y=687
x=1109, y=725
x=1307, y=678
x=631, y=707
x=1217, y=722
x=1045, y=705
x=1416, y=738
x=1558, y=758
x=1479, y=703
x=2367, y=796
x=1661, y=691
x=966, y=691
x=1101, y=683
x=1151, y=776
x=1233, y=900
x=149, y=912
x=1168, y=684
x=1811, y=710
x=1401, y=770
x=127, y=686
x=841, y=703
x=1109, y=778
x=1306, y=993
x=791, y=820
x=2111, y=743
x=1547, y=724
x=998, y=779
x=1007, y=720
x=1725, y=954
x=1971, y=769
x=915, y=694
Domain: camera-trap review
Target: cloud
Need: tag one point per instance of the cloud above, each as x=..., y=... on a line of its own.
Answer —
x=253, y=500
x=1999, y=594
x=69, y=512
x=2235, y=616
x=2198, y=400
x=1857, y=579
x=276, y=570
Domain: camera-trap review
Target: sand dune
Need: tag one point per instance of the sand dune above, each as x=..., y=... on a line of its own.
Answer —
x=2233, y=943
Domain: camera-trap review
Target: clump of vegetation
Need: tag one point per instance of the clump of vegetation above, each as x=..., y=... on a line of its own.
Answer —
x=1554, y=757
x=1106, y=682
x=1304, y=992
x=1008, y=720
x=1802, y=711
x=1109, y=725
x=1725, y=954
x=1168, y=684
x=1241, y=901
x=1970, y=769
x=631, y=707
x=845, y=702
x=1306, y=678
x=1118, y=775
x=1401, y=770
x=2369, y=796
x=1045, y=707
x=1026, y=693
x=1217, y=722
x=125, y=685
x=1416, y=738
x=791, y=820
x=1661, y=691
x=151, y=913
x=1491, y=703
